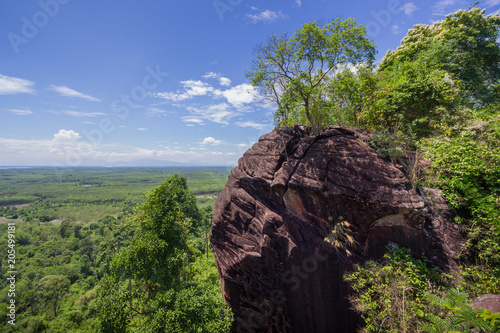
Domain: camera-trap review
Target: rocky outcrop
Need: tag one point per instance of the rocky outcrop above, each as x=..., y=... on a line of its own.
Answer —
x=489, y=302
x=281, y=201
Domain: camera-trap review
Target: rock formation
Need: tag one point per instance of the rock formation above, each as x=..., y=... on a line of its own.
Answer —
x=489, y=302
x=282, y=200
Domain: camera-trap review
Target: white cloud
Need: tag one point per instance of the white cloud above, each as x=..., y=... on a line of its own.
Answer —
x=240, y=94
x=251, y=124
x=298, y=3
x=217, y=113
x=445, y=7
x=66, y=136
x=155, y=112
x=237, y=99
x=20, y=112
x=12, y=85
x=143, y=129
x=409, y=8
x=211, y=141
x=196, y=88
x=237, y=96
x=211, y=75
x=267, y=16
x=224, y=81
x=78, y=113
x=65, y=91
x=174, y=97
x=396, y=29
x=193, y=120
x=192, y=89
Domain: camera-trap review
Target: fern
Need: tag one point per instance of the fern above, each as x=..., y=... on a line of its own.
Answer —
x=458, y=315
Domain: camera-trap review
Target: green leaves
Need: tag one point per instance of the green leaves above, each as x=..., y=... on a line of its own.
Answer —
x=153, y=285
x=197, y=308
x=157, y=251
x=465, y=45
x=52, y=287
x=466, y=166
x=292, y=72
x=458, y=316
x=414, y=97
x=389, y=294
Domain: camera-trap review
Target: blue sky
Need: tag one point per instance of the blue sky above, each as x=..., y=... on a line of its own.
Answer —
x=116, y=83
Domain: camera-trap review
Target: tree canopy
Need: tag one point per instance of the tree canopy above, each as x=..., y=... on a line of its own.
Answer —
x=465, y=45
x=150, y=285
x=293, y=71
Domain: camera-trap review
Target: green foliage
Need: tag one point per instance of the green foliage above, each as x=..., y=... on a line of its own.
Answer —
x=196, y=308
x=82, y=253
x=158, y=250
x=150, y=284
x=390, y=295
x=466, y=165
x=351, y=94
x=455, y=315
x=465, y=45
x=389, y=145
x=292, y=72
x=413, y=97
x=52, y=287
x=481, y=279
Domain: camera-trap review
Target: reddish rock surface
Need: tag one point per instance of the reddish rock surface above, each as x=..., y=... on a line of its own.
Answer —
x=280, y=202
x=489, y=302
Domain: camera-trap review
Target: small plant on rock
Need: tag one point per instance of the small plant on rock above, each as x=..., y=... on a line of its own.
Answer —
x=341, y=237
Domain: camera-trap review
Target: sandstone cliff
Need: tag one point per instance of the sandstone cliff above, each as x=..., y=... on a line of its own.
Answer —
x=281, y=201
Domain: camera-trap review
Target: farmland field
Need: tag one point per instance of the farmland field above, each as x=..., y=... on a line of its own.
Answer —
x=88, y=194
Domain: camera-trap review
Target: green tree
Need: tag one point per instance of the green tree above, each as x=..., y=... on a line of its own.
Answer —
x=465, y=45
x=293, y=72
x=351, y=94
x=149, y=282
x=52, y=288
x=158, y=250
x=66, y=228
x=414, y=98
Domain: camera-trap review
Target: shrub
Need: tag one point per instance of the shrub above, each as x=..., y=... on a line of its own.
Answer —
x=390, y=294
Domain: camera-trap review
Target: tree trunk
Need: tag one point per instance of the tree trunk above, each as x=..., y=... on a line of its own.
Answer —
x=315, y=127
